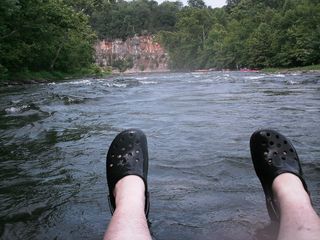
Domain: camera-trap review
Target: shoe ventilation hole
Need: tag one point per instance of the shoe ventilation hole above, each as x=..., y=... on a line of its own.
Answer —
x=264, y=143
x=270, y=161
x=283, y=158
x=130, y=154
x=130, y=145
x=285, y=142
x=271, y=143
x=268, y=134
x=112, y=155
x=137, y=160
x=137, y=151
x=111, y=165
x=284, y=153
x=137, y=142
x=291, y=150
x=275, y=154
x=278, y=145
x=277, y=136
x=123, y=149
x=131, y=134
x=119, y=156
x=265, y=153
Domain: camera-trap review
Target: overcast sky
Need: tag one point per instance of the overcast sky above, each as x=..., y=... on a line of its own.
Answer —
x=212, y=3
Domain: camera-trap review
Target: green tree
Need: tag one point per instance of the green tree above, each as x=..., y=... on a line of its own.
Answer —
x=193, y=26
x=259, y=47
x=44, y=35
x=197, y=3
x=214, y=51
x=165, y=16
x=125, y=19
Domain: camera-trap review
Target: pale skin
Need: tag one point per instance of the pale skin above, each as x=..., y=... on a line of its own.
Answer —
x=298, y=219
x=129, y=220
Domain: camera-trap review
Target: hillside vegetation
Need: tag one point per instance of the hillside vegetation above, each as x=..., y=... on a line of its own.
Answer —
x=58, y=35
x=246, y=33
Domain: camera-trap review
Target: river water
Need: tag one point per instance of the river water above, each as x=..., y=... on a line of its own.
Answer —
x=54, y=139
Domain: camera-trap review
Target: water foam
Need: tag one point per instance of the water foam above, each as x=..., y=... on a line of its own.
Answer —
x=148, y=82
x=16, y=109
x=254, y=77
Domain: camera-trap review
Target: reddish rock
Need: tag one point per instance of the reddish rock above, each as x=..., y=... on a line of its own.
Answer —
x=146, y=54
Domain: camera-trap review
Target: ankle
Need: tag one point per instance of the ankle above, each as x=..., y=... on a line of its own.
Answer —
x=287, y=187
x=129, y=192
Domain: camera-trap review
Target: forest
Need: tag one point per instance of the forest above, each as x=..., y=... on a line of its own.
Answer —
x=58, y=36
x=245, y=33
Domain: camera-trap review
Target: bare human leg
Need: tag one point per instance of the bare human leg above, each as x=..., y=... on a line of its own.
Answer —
x=298, y=219
x=129, y=219
x=127, y=172
x=278, y=168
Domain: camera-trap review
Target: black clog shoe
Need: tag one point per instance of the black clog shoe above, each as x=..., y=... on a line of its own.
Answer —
x=273, y=154
x=127, y=155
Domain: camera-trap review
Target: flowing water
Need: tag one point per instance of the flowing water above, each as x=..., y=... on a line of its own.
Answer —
x=54, y=138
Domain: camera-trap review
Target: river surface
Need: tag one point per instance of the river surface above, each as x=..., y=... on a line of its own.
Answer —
x=54, y=138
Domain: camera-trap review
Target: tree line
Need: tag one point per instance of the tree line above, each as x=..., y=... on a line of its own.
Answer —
x=123, y=19
x=58, y=35
x=245, y=33
x=43, y=35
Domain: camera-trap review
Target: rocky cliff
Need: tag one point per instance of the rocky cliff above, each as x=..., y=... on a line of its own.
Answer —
x=137, y=54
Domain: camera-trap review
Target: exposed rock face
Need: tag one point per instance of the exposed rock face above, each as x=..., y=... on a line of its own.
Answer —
x=137, y=54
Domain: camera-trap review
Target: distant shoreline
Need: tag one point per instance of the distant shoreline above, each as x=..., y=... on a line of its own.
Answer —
x=41, y=78
x=306, y=69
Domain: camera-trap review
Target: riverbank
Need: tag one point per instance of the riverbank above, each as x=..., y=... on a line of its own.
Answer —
x=305, y=69
x=29, y=77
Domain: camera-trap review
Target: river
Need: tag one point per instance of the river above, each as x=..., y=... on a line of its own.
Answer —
x=54, y=139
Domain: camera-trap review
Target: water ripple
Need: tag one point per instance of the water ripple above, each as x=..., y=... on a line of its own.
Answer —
x=54, y=138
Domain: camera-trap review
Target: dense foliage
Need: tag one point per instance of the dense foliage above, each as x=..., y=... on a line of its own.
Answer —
x=58, y=35
x=245, y=33
x=125, y=19
x=43, y=35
